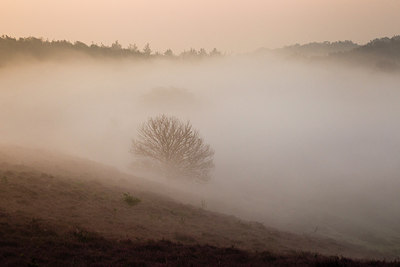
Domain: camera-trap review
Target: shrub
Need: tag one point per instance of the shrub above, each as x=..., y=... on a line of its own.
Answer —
x=130, y=200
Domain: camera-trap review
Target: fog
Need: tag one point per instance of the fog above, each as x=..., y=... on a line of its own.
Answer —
x=308, y=148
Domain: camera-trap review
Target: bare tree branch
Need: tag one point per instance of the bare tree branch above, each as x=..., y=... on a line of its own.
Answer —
x=176, y=146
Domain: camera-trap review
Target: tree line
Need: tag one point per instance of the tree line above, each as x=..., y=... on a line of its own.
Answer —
x=38, y=48
x=381, y=53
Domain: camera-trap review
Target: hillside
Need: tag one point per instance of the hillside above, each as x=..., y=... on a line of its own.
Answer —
x=28, y=241
x=381, y=53
x=316, y=49
x=70, y=193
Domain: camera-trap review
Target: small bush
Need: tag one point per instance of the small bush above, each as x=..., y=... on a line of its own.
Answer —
x=84, y=236
x=4, y=180
x=130, y=200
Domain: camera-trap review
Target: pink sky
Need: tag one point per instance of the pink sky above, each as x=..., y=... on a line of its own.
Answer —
x=231, y=26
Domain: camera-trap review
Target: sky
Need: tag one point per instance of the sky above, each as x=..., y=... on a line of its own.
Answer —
x=229, y=25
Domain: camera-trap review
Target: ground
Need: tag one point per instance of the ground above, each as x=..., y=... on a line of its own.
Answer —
x=62, y=210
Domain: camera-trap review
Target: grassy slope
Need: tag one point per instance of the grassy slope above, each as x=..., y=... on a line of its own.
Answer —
x=33, y=242
x=76, y=194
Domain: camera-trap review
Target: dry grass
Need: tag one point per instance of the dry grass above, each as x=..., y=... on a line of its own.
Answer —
x=76, y=194
x=33, y=242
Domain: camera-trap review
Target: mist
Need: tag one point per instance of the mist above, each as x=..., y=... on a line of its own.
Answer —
x=308, y=148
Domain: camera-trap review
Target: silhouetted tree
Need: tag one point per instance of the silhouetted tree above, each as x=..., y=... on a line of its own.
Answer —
x=147, y=50
x=191, y=54
x=168, y=53
x=80, y=45
x=215, y=53
x=116, y=46
x=202, y=52
x=133, y=48
x=174, y=147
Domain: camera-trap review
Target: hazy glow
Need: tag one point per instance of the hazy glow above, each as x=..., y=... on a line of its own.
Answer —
x=297, y=146
x=229, y=25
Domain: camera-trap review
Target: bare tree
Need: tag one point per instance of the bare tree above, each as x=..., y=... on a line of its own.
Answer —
x=175, y=147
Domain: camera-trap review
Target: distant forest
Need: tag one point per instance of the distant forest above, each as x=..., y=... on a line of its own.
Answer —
x=319, y=49
x=37, y=48
x=382, y=53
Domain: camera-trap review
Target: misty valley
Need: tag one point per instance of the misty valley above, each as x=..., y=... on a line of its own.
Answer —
x=299, y=149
